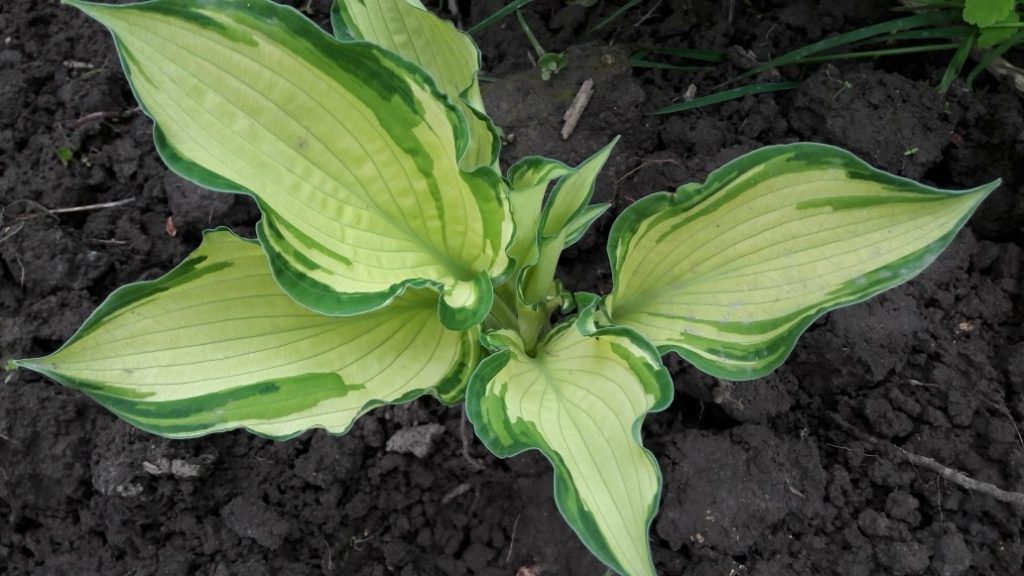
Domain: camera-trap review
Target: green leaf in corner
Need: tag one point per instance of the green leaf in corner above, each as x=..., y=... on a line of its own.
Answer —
x=581, y=400
x=406, y=28
x=351, y=151
x=983, y=13
x=990, y=37
x=215, y=345
x=730, y=273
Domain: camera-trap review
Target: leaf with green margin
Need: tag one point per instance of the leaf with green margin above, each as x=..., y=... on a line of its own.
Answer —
x=729, y=274
x=984, y=13
x=215, y=345
x=408, y=29
x=581, y=400
x=351, y=151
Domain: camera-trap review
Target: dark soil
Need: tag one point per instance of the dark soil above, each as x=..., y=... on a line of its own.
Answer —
x=798, y=474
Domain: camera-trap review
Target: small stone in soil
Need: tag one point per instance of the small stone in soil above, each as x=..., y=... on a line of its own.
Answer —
x=415, y=440
x=903, y=558
x=952, y=557
x=251, y=518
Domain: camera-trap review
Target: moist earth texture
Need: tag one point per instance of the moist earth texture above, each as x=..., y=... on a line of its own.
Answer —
x=812, y=470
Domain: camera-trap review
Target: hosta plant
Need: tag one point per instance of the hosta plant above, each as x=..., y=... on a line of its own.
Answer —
x=393, y=260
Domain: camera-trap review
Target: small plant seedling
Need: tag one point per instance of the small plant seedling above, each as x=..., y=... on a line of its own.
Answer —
x=65, y=154
x=550, y=63
x=394, y=261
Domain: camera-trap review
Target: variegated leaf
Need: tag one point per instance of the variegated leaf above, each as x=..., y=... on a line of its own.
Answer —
x=581, y=401
x=351, y=151
x=730, y=273
x=215, y=345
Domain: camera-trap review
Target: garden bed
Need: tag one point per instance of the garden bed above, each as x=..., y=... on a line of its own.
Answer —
x=809, y=471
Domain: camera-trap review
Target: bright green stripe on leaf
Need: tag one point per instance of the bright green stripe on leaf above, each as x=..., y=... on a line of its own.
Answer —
x=191, y=416
x=215, y=344
x=450, y=56
x=730, y=273
x=581, y=401
x=348, y=147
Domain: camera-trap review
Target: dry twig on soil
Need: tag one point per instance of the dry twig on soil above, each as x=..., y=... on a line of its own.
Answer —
x=951, y=474
x=579, y=104
x=102, y=115
x=53, y=212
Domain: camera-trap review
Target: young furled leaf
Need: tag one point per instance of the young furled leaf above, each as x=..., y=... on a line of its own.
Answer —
x=730, y=273
x=215, y=345
x=564, y=218
x=529, y=179
x=351, y=151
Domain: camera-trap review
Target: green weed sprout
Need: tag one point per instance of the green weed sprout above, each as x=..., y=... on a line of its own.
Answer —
x=550, y=63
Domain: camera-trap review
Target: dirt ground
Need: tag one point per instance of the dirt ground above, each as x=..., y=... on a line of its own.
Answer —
x=804, y=472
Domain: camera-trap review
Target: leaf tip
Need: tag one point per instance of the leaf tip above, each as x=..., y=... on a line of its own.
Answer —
x=980, y=193
x=94, y=10
x=34, y=364
x=87, y=7
x=987, y=189
x=602, y=155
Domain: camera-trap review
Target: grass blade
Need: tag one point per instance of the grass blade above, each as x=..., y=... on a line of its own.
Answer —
x=498, y=15
x=611, y=18
x=834, y=42
x=877, y=53
x=956, y=64
x=690, y=53
x=640, y=59
x=993, y=54
x=950, y=32
x=725, y=95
